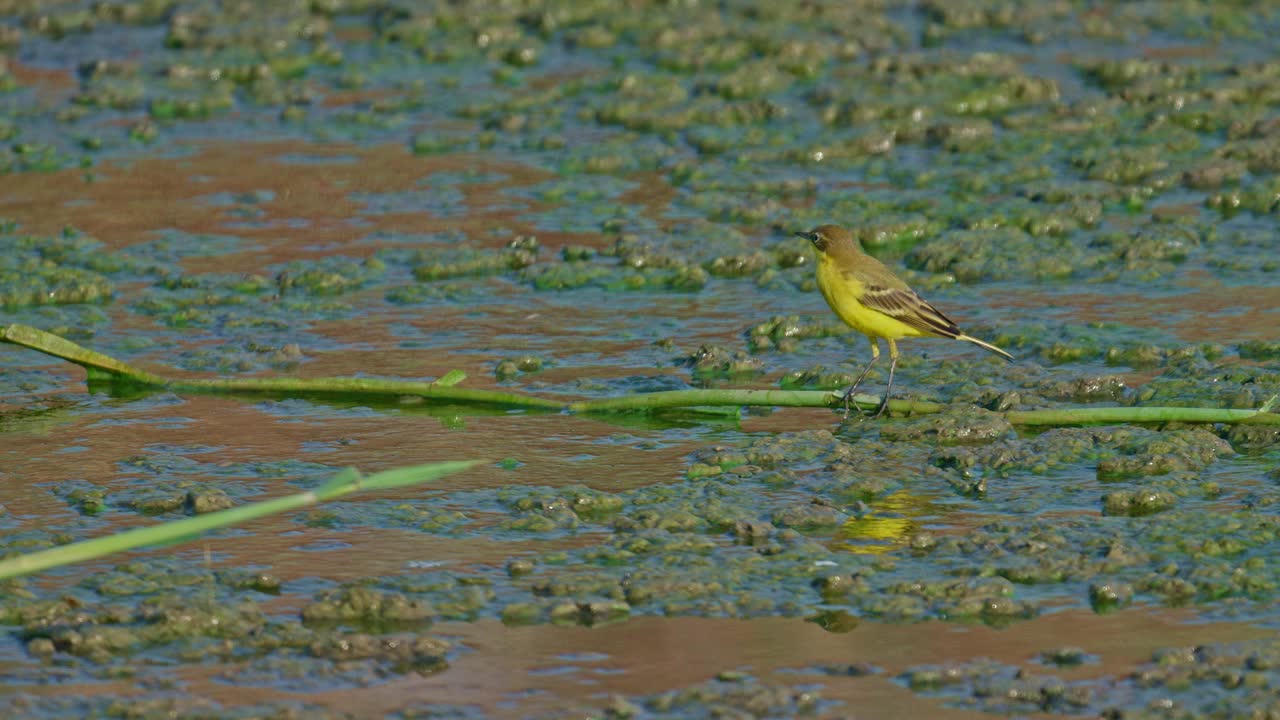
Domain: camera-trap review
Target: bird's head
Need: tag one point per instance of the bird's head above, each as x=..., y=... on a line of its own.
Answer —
x=830, y=239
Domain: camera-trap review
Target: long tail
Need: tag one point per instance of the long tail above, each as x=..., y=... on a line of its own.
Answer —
x=987, y=345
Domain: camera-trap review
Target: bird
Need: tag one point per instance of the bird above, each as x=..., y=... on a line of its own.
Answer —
x=869, y=298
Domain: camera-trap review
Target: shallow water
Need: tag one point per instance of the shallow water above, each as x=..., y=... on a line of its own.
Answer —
x=568, y=201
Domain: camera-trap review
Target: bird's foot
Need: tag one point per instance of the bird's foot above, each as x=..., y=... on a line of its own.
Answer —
x=883, y=409
x=848, y=397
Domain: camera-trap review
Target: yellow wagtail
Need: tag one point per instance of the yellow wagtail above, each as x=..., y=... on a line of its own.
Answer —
x=869, y=298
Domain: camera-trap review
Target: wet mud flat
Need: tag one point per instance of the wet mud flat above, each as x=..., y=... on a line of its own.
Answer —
x=573, y=201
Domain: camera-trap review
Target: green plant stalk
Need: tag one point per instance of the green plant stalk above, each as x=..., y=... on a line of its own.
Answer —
x=97, y=364
x=106, y=368
x=365, y=386
x=344, y=483
x=765, y=398
x=1110, y=415
x=100, y=366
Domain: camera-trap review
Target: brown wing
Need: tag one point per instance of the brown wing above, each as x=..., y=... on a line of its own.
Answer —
x=905, y=306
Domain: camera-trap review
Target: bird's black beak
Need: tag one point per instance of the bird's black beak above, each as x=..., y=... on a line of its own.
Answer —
x=811, y=237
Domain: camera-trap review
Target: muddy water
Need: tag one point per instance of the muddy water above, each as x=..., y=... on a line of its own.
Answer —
x=575, y=202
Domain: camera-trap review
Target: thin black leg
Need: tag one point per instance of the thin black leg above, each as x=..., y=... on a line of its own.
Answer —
x=884, y=404
x=861, y=376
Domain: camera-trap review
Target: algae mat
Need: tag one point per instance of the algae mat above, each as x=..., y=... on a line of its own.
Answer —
x=584, y=201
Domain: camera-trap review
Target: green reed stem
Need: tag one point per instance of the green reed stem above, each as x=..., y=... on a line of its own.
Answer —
x=444, y=391
x=344, y=483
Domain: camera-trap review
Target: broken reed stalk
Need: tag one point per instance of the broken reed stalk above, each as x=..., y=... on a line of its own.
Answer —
x=443, y=391
x=344, y=483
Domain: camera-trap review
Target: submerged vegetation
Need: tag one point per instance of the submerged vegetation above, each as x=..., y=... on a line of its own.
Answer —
x=558, y=234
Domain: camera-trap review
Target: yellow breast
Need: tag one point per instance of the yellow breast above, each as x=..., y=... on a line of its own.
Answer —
x=842, y=292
